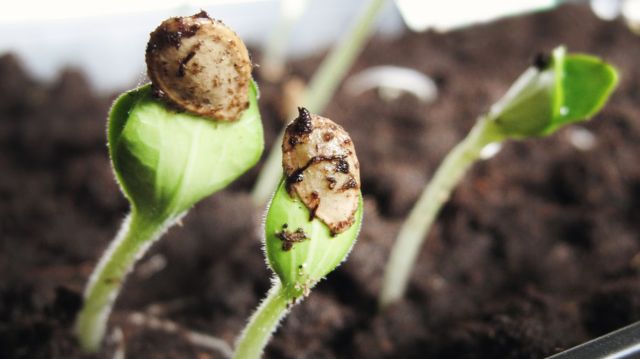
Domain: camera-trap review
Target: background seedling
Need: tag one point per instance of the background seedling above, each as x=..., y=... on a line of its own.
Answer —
x=312, y=222
x=556, y=91
x=321, y=87
x=272, y=66
x=166, y=160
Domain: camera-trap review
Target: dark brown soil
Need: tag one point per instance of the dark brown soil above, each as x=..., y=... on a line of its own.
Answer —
x=538, y=250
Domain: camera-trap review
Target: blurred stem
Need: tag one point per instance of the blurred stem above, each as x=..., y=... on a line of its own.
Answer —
x=320, y=90
x=415, y=228
x=272, y=67
x=339, y=61
x=263, y=323
x=136, y=234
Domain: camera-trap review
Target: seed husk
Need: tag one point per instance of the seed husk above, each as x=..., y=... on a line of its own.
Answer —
x=322, y=169
x=200, y=65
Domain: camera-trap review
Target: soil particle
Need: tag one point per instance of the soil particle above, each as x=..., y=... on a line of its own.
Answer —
x=296, y=177
x=289, y=238
x=302, y=125
x=183, y=63
x=331, y=182
x=342, y=165
x=541, y=61
x=202, y=15
x=170, y=35
x=350, y=184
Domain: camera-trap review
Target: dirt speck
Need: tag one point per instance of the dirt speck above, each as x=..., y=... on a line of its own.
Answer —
x=342, y=166
x=184, y=62
x=541, y=61
x=289, y=238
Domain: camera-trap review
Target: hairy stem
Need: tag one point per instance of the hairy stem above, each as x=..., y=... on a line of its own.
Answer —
x=263, y=323
x=416, y=226
x=134, y=238
x=320, y=90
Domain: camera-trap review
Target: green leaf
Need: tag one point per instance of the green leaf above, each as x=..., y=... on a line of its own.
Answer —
x=166, y=161
x=309, y=260
x=572, y=88
x=527, y=109
x=586, y=85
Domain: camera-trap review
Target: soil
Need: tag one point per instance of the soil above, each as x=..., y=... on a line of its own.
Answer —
x=538, y=249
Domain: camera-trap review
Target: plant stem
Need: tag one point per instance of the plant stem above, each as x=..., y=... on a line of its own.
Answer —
x=136, y=234
x=339, y=61
x=320, y=90
x=413, y=231
x=271, y=169
x=263, y=323
x=273, y=62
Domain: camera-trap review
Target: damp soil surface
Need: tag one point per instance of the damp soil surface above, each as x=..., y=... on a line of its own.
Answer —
x=538, y=249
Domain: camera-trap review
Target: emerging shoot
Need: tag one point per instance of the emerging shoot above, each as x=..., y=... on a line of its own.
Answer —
x=557, y=90
x=312, y=222
x=166, y=159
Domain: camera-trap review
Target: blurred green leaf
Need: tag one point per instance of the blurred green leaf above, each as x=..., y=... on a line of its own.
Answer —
x=586, y=85
x=571, y=88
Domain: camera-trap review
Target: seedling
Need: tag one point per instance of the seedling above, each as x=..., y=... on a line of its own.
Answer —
x=312, y=222
x=556, y=91
x=320, y=90
x=273, y=63
x=166, y=159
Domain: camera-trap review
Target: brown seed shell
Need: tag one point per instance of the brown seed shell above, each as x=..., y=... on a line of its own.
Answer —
x=200, y=65
x=321, y=167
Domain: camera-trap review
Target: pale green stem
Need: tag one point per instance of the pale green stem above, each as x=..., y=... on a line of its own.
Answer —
x=263, y=323
x=271, y=169
x=319, y=92
x=339, y=61
x=415, y=228
x=134, y=238
x=272, y=66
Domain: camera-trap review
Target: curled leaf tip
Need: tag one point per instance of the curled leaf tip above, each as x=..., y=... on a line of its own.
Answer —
x=559, y=89
x=200, y=65
x=322, y=169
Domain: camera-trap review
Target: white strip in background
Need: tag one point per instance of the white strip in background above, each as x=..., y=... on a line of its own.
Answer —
x=420, y=15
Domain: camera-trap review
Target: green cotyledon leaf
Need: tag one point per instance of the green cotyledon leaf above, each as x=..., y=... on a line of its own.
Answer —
x=586, y=85
x=166, y=161
x=567, y=89
x=312, y=251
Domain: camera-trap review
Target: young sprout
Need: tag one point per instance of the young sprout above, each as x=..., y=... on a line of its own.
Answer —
x=312, y=222
x=556, y=91
x=167, y=159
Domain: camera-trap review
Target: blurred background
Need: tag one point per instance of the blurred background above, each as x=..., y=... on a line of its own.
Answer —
x=104, y=38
